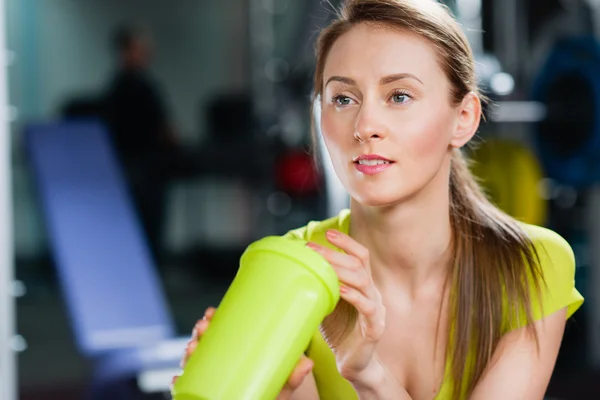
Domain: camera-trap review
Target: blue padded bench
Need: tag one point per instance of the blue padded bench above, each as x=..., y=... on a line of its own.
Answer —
x=114, y=297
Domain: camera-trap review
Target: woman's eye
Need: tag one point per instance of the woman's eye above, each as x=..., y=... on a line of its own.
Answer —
x=400, y=98
x=342, y=100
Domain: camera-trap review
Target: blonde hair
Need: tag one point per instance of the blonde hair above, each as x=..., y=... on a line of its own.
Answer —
x=495, y=264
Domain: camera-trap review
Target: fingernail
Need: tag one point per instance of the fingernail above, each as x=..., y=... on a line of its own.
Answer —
x=194, y=334
x=333, y=234
x=343, y=289
x=313, y=246
x=308, y=368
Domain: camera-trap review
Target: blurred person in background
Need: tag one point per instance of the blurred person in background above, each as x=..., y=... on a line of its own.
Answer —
x=141, y=132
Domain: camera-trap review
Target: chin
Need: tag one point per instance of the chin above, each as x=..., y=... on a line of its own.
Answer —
x=372, y=197
x=390, y=191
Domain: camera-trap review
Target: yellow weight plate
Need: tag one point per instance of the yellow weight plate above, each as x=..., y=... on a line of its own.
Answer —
x=511, y=174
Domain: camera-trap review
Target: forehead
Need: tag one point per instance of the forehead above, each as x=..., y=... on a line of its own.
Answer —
x=368, y=51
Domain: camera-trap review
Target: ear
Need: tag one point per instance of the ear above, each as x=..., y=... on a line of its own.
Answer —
x=467, y=122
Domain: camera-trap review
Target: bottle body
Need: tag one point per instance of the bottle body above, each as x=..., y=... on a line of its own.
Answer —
x=263, y=325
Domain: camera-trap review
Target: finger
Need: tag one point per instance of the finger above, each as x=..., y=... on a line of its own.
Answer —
x=372, y=311
x=173, y=381
x=200, y=328
x=189, y=350
x=350, y=246
x=348, y=269
x=209, y=313
x=356, y=279
x=336, y=257
x=302, y=369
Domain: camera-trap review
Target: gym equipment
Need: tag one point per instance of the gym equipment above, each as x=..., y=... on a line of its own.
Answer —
x=568, y=138
x=274, y=306
x=511, y=176
x=296, y=173
x=114, y=298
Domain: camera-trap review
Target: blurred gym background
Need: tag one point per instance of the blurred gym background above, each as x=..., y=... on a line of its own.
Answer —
x=146, y=143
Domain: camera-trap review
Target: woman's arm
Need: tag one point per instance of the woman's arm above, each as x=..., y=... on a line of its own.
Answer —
x=355, y=347
x=384, y=387
x=380, y=385
x=517, y=370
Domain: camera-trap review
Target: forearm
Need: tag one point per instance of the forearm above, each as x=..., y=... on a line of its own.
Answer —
x=380, y=384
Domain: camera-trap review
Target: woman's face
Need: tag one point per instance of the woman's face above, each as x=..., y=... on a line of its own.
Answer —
x=386, y=98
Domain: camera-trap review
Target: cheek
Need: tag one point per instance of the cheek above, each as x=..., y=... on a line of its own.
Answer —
x=429, y=137
x=337, y=134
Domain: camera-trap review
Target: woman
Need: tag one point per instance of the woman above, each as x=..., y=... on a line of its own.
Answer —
x=443, y=296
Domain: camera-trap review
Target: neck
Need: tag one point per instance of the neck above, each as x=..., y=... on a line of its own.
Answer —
x=409, y=242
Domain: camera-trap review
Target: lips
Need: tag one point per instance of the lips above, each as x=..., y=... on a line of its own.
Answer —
x=371, y=164
x=371, y=157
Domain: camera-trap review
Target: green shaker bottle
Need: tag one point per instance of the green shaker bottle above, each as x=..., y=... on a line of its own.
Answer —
x=280, y=295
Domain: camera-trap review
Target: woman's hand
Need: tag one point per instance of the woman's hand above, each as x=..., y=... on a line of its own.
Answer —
x=302, y=369
x=356, y=325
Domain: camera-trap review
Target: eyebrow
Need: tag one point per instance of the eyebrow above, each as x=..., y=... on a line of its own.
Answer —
x=396, y=77
x=383, y=81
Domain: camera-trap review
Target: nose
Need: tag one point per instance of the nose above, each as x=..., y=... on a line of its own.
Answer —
x=370, y=124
